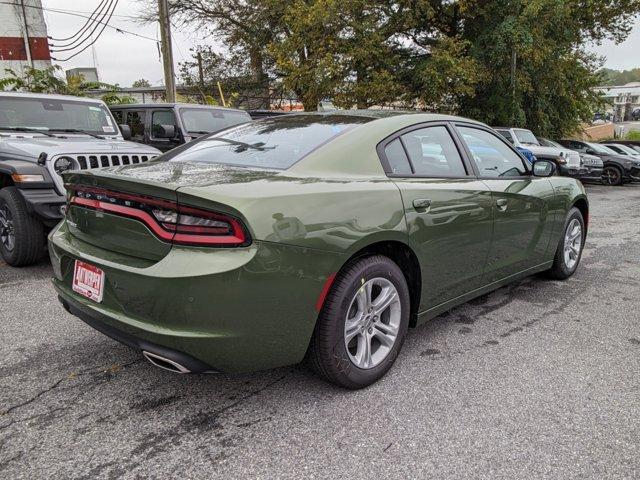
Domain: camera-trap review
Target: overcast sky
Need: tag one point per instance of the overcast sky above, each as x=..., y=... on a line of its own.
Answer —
x=122, y=58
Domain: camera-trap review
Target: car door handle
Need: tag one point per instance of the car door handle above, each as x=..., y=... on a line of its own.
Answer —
x=502, y=203
x=422, y=204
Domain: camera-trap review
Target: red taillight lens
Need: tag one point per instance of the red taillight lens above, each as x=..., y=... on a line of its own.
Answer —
x=168, y=220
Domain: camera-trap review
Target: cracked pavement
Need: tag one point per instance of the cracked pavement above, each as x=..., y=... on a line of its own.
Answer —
x=539, y=379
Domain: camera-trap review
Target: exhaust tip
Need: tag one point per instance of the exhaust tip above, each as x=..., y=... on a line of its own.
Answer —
x=165, y=363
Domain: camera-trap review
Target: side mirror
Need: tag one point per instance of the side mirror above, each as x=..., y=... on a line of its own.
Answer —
x=590, y=151
x=166, y=131
x=125, y=130
x=544, y=168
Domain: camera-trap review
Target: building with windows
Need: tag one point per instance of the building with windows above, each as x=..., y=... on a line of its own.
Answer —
x=624, y=101
x=23, y=36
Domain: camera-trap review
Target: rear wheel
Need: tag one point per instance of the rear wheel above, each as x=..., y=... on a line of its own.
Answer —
x=363, y=323
x=21, y=235
x=569, y=251
x=612, y=175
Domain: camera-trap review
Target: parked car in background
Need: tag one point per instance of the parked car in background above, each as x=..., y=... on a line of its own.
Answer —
x=322, y=235
x=567, y=162
x=622, y=149
x=167, y=125
x=591, y=166
x=42, y=136
x=618, y=169
x=635, y=144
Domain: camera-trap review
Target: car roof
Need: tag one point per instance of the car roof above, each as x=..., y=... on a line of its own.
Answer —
x=50, y=96
x=172, y=105
x=411, y=116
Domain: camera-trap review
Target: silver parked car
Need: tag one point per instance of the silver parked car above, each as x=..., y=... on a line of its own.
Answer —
x=42, y=136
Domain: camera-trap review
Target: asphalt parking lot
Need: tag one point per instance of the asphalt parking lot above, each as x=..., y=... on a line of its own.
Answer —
x=540, y=379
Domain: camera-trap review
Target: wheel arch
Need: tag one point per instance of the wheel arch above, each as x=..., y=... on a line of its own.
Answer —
x=6, y=180
x=582, y=204
x=404, y=256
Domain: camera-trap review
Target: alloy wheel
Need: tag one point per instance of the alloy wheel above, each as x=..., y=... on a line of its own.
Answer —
x=7, y=232
x=572, y=243
x=610, y=176
x=373, y=323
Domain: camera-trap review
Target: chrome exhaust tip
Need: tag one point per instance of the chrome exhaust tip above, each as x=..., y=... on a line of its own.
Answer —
x=165, y=363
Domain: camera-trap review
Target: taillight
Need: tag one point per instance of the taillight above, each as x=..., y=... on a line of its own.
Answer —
x=168, y=220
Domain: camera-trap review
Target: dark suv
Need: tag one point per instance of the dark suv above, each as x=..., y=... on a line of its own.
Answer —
x=167, y=125
x=618, y=169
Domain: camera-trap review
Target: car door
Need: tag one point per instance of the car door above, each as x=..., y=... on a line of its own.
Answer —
x=521, y=203
x=161, y=117
x=448, y=210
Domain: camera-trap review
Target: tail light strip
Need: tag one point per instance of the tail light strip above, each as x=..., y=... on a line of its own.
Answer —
x=171, y=233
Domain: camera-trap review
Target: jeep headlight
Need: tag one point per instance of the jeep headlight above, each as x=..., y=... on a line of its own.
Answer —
x=63, y=164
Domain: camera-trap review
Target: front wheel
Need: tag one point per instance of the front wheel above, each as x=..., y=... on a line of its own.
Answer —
x=612, y=176
x=363, y=323
x=569, y=251
x=21, y=235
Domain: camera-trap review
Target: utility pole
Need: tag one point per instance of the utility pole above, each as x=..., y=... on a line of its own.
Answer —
x=25, y=34
x=167, y=51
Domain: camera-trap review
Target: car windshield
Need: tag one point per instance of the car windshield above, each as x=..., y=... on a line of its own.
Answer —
x=48, y=114
x=526, y=137
x=270, y=143
x=596, y=147
x=208, y=120
x=624, y=149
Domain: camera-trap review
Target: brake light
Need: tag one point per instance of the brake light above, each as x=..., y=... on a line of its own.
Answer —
x=168, y=220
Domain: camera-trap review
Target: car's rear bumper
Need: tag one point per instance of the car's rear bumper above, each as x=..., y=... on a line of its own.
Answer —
x=229, y=310
x=104, y=325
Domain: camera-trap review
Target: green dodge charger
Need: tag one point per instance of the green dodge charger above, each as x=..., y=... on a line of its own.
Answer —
x=320, y=236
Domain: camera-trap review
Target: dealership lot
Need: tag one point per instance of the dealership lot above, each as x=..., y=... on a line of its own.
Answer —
x=536, y=380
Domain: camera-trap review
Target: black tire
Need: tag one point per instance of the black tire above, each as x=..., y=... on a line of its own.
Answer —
x=612, y=175
x=560, y=270
x=29, y=235
x=327, y=352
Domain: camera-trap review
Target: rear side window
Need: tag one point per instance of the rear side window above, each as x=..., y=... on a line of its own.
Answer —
x=270, y=143
x=119, y=116
x=490, y=154
x=397, y=159
x=433, y=153
x=135, y=120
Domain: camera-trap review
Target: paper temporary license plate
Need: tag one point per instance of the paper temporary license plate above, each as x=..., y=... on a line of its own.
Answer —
x=88, y=281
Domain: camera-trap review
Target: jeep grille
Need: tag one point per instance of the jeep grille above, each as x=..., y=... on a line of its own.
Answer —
x=86, y=162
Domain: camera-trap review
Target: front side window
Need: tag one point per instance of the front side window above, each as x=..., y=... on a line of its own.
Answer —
x=490, y=154
x=159, y=118
x=526, y=137
x=433, y=153
x=506, y=134
x=55, y=115
x=270, y=143
x=208, y=120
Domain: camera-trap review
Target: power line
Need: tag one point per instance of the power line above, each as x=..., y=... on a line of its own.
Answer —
x=63, y=12
x=99, y=7
x=106, y=24
x=111, y=6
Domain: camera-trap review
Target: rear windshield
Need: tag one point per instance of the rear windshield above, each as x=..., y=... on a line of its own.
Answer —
x=204, y=120
x=270, y=143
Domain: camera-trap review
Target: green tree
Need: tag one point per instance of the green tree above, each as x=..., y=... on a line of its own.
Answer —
x=142, y=83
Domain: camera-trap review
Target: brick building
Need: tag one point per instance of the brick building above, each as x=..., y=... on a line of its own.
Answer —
x=23, y=36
